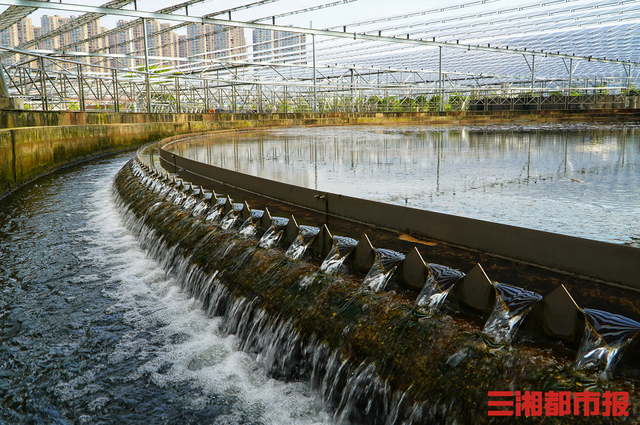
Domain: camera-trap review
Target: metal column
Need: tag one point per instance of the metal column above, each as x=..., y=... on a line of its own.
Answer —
x=4, y=89
x=43, y=85
x=206, y=96
x=177, y=95
x=352, y=102
x=570, y=78
x=233, y=93
x=533, y=72
x=146, y=65
x=116, y=97
x=315, y=86
x=440, y=85
x=81, y=100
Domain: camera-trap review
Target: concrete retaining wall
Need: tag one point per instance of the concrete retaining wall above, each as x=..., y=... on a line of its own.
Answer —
x=35, y=142
x=22, y=118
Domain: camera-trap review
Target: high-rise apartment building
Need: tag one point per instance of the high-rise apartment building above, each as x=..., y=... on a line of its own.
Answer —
x=9, y=38
x=154, y=42
x=230, y=42
x=119, y=43
x=182, y=46
x=25, y=30
x=50, y=23
x=215, y=41
x=262, y=44
x=168, y=42
x=279, y=46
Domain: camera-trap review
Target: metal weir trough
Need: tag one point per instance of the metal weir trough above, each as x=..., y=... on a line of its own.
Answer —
x=267, y=267
x=473, y=290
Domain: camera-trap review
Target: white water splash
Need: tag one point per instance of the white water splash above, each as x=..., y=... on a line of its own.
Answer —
x=188, y=341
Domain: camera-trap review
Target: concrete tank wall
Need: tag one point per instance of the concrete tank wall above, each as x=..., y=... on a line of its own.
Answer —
x=35, y=142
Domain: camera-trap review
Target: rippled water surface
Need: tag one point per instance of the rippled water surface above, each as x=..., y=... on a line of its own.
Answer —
x=93, y=331
x=575, y=179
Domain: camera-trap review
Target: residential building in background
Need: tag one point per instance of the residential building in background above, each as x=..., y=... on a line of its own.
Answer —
x=201, y=41
x=49, y=23
x=119, y=44
x=182, y=46
x=215, y=42
x=279, y=46
x=229, y=42
x=9, y=38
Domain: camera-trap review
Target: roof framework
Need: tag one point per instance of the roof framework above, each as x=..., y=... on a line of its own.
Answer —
x=433, y=58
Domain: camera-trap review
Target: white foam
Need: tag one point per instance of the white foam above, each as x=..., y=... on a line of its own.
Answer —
x=184, y=338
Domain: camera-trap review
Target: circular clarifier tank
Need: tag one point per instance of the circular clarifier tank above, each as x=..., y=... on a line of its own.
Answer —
x=574, y=179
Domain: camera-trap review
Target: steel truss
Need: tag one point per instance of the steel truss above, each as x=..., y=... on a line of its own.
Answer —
x=523, y=63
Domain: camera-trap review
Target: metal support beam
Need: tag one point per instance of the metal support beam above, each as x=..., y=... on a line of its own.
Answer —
x=233, y=95
x=43, y=85
x=177, y=88
x=239, y=24
x=4, y=89
x=116, y=96
x=206, y=96
x=532, y=69
x=440, y=86
x=81, y=102
x=146, y=65
x=315, y=85
x=351, y=93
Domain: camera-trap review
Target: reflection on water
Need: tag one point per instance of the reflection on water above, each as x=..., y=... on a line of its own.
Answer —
x=576, y=179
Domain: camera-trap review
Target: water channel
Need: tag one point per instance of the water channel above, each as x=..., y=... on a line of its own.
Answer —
x=575, y=179
x=94, y=331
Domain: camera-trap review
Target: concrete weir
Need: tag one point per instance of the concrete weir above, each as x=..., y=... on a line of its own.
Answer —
x=384, y=337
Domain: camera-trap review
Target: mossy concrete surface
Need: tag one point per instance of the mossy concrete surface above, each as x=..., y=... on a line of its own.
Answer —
x=13, y=118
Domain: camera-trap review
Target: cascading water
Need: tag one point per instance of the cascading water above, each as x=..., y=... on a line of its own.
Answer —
x=512, y=305
x=369, y=356
x=191, y=202
x=298, y=247
x=274, y=233
x=340, y=250
x=250, y=227
x=231, y=218
x=439, y=282
x=215, y=212
x=201, y=207
x=606, y=335
x=385, y=264
x=92, y=330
